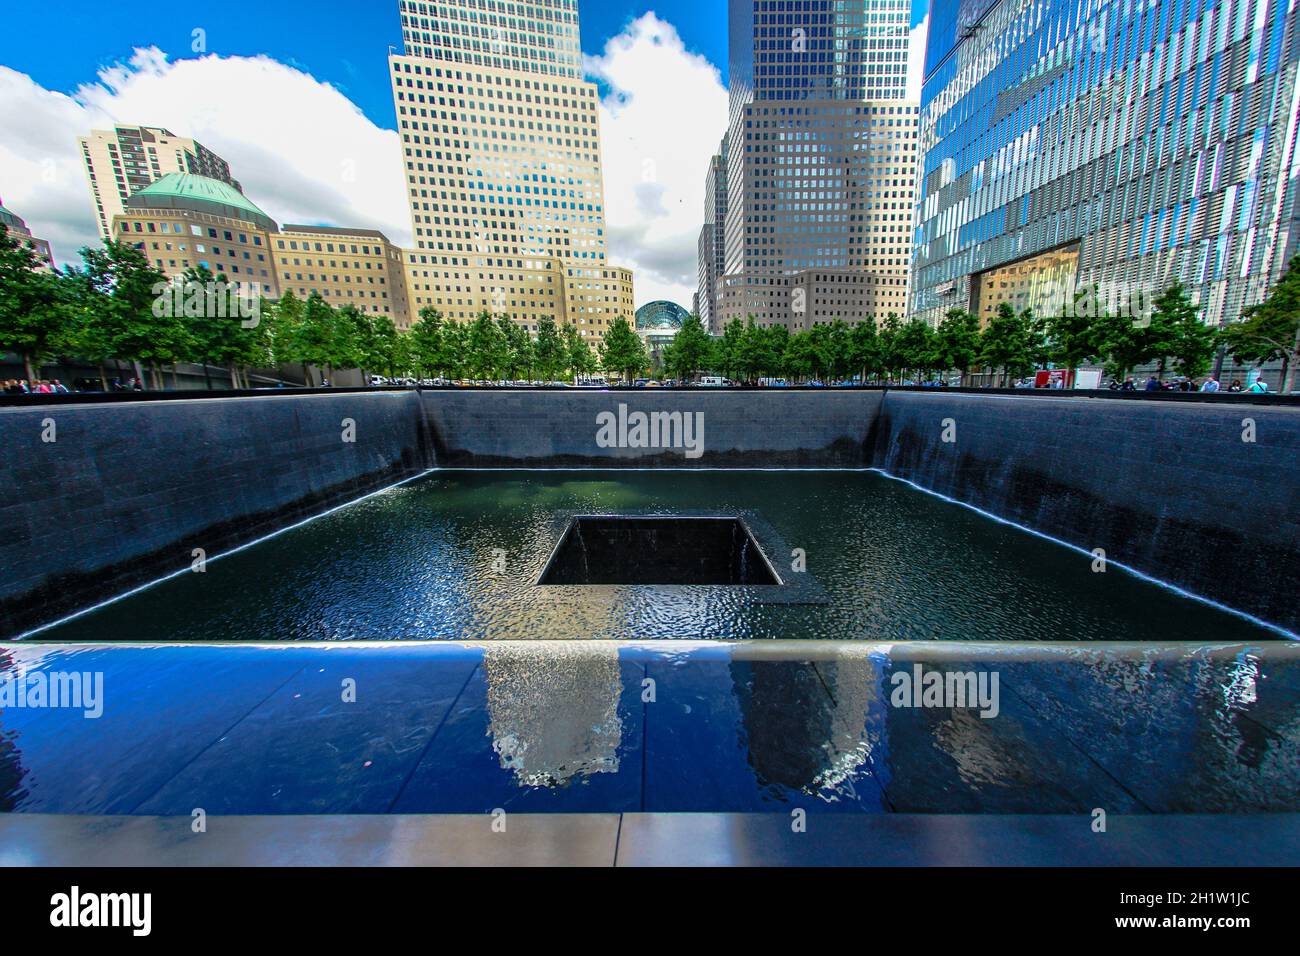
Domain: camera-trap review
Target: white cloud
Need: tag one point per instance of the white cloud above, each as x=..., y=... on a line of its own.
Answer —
x=661, y=120
x=302, y=151
x=916, y=58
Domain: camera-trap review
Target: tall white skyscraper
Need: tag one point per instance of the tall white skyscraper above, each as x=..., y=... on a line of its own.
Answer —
x=501, y=148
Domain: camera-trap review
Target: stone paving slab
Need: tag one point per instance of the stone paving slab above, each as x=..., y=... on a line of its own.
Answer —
x=551, y=839
x=537, y=730
x=600, y=726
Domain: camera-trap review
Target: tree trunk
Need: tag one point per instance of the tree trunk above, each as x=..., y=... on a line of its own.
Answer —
x=1288, y=368
x=103, y=378
x=207, y=375
x=28, y=370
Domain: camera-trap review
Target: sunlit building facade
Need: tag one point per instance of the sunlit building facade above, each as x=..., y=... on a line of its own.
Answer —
x=356, y=267
x=501, y=152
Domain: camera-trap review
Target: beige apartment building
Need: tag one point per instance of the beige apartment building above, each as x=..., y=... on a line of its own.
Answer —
x=187, y=221
x=810, y=199
x=357, y=267
x=122, y=161
x=501, y=153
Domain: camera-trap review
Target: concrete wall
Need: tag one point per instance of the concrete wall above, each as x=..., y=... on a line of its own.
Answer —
x=774, y=428
x=126, y=491
x=1169, y=489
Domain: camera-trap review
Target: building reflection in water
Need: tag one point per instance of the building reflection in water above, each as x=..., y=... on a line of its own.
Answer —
x=809, y=726
x=12, y=771
x=554, y=710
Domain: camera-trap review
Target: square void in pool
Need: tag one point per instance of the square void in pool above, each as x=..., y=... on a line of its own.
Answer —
x=658, y=550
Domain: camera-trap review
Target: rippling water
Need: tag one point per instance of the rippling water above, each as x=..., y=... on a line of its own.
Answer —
x=423, y=561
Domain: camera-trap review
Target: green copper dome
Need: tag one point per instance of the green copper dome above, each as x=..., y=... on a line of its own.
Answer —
x=201, y=194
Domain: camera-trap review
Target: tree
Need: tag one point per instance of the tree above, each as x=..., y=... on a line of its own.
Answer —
x=36, y=305
x=131, y=327
x=1182, y=335
x=622, y=350
x=1270, y=331
x=915, y=346
x=487, y=347
x=549, y=349
x=516, y=347
x=728, y=350
x=581, y=359
x=426, y=343
x=957, y=341
x=891, y=358
x=1006, y=343
x=689, y=351
x=455, y=362
x=1073, y=336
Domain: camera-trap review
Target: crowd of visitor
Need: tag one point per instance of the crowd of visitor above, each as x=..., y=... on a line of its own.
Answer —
x=52, y=386
x=39, y=386
x=1183, y=384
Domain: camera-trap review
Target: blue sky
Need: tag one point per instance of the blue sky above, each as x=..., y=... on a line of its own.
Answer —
x=306, y=119
x=345, y=47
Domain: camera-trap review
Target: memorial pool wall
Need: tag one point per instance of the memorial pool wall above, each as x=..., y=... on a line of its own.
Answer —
x=104, y=497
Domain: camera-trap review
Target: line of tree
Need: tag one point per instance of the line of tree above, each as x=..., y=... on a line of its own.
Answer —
x=1010, y=345
x=105, y=311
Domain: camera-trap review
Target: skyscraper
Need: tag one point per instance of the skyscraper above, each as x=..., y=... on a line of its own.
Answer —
x=1073, y=143
x=711, y=248
x=122, y=161
x=820, y=168
x=501, y=150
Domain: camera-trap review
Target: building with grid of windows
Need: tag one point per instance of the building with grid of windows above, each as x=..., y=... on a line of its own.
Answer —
x=357, y=267
x=820, y=164
x=184, y=221
x=17, y=228
x=122, y=161
x=1116, y=144
x=501, y=153
x=711, y=247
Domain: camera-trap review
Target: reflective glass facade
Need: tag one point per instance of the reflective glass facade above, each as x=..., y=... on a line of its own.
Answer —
x=1160, y=137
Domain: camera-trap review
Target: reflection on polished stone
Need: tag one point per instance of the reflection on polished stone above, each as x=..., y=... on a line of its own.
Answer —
x=554, y=711
x=733, y=727
x=807, y=725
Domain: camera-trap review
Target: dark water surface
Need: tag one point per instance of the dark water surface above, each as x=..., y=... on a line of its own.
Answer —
x=425, y=561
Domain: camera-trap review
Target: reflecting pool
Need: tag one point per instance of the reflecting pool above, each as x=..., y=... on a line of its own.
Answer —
x=458, y=555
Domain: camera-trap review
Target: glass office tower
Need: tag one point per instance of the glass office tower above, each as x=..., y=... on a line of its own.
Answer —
x=1117, y=143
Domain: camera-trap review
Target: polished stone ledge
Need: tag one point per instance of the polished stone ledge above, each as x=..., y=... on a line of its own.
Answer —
x=651, y=839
